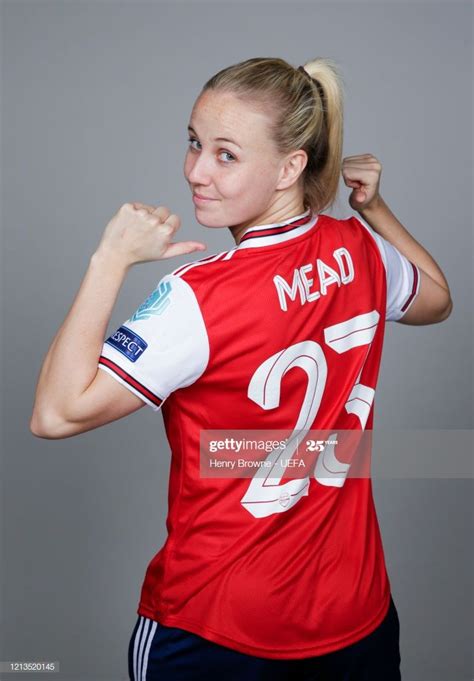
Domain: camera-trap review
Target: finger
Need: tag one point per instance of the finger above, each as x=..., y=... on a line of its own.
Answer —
x=367, y=168
x=362, y=161
x=182, y=248
x=137, y=205
x=358, y=156
x=365, y=162
x=356, y=172
x=166, y=230
x=170, y=226
x=173, y=221
x=161, y=212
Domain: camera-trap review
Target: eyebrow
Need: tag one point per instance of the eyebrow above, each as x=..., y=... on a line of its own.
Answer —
x=217, y=139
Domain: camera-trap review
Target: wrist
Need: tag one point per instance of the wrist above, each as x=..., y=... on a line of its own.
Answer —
x=375, y=206
x=109, y=260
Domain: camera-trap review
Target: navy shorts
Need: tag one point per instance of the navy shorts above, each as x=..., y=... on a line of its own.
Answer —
x=160, y=653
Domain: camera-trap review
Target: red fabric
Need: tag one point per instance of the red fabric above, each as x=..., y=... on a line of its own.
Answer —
x=311, y=579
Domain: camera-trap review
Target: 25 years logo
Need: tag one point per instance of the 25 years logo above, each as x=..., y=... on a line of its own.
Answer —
x=318, y=445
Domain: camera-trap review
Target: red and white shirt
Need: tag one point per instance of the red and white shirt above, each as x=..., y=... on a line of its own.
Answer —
x=285, y=330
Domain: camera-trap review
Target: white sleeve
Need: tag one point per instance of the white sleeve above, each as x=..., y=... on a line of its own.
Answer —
x=163, y=346
x=403, y=276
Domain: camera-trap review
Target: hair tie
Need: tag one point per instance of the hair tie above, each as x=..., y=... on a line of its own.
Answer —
x=314, y=80
x=303, y=70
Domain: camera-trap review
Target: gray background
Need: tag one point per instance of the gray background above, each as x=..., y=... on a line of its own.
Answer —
x=96, y=97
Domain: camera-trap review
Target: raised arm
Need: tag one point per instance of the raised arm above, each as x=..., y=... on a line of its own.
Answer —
x=71, y=394
x=433, y=303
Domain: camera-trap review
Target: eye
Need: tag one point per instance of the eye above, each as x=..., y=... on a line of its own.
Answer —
x=232, y=158
x=193, y=139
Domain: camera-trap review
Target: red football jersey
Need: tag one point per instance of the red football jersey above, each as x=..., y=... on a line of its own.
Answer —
x=282, y=332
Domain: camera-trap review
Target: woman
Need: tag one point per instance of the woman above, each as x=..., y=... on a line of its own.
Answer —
x=258, y=578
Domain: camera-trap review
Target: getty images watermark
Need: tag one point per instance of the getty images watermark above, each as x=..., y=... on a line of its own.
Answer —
x=334, y=455
x=278, y=454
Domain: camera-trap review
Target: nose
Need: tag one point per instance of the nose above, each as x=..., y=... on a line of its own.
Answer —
x=198, y=169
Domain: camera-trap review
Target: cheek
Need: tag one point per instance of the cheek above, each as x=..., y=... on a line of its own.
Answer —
x=256, y=182
x=259, y=185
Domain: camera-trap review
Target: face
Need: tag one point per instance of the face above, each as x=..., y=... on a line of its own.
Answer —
x=240, y=174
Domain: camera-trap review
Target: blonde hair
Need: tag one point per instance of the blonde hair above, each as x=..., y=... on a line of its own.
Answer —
x=305, y=110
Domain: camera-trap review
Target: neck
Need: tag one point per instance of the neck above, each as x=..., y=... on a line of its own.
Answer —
x=271, y=216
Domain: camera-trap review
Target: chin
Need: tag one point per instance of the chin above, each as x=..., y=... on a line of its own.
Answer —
x=207, y=221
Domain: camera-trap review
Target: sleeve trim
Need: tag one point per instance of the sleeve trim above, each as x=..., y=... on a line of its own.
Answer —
x=414, y=289
x=130, y=380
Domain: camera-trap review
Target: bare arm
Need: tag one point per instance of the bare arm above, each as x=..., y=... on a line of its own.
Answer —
x=433, y=302
x=72, y=395
x=70, y=364
x=383, y=221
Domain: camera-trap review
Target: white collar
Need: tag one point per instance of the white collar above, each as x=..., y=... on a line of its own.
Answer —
x=278, y=232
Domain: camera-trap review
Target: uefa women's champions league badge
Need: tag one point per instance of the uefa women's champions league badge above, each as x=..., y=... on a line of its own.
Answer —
x=126, y=340
x=156, y=303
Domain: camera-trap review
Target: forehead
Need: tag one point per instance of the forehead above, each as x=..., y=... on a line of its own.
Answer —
x=222, y=114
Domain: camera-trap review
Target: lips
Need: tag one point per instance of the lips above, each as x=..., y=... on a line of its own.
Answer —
x=200, y=196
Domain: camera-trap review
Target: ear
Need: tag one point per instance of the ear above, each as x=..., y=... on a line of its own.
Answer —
x=292, y=167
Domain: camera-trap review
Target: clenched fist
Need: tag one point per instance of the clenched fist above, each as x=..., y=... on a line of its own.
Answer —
x=363, y=174
x=141, y=233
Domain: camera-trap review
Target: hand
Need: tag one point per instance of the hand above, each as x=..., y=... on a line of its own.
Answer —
x=141, y=233
x=363, y=173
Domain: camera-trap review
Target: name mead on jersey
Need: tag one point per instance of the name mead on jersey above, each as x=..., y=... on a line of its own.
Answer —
x=341, y=273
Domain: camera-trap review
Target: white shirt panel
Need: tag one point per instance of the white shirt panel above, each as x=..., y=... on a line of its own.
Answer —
x=163, y=346
x=402, y=283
